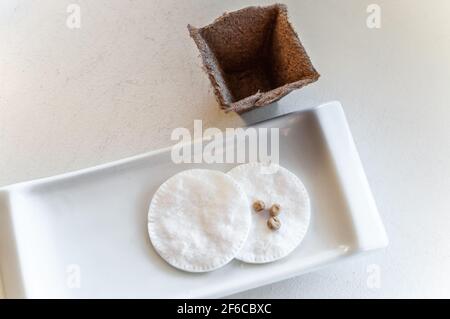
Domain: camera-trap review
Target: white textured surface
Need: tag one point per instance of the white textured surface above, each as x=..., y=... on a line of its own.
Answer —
x=120, y=84
x=273, y=185
x=199, y=220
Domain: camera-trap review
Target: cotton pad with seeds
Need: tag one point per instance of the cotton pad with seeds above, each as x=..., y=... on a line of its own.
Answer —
x=273, y=185
x=199, y=220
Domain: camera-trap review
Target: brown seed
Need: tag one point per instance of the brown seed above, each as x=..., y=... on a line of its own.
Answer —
x=274, y=223
x=259, y=205
x=275, y=210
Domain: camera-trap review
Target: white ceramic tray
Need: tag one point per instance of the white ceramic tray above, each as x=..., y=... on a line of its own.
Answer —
x=92, y=224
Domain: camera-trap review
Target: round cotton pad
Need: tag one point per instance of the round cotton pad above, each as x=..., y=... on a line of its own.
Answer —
x=273, y=185
x=198, y=220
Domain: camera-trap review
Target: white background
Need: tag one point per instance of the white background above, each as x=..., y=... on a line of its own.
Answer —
x=73, y=98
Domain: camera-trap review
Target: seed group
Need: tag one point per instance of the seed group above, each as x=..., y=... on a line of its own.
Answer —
x=273, y=222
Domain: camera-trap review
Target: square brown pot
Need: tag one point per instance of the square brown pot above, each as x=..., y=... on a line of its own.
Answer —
x=253, y=57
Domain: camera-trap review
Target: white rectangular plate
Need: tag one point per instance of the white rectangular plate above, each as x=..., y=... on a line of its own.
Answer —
x=84, y=234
